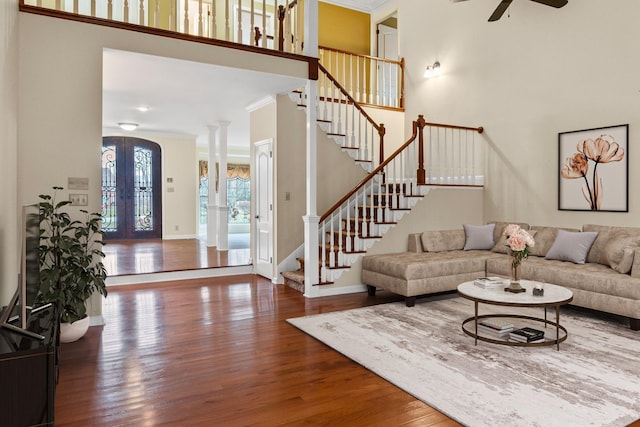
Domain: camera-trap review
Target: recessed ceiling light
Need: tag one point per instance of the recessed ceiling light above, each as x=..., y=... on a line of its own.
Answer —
x=128, y=126
x=143, y=108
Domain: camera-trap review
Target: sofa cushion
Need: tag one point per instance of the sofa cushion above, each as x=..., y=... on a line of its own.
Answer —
x=544, y=237
x=619, y=250
x=591, y=277
x=597, y=252
x=445, y=240
x=572, y=246
x=478, y=237
x=498, y=237
x=605, y=232
x=410, y=266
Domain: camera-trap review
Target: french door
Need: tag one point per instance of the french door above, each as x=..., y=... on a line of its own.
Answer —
x=131, y=188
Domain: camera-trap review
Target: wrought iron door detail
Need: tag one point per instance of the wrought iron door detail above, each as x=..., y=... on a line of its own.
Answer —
x=131, y=188
x=143, y=188
x=109, y=189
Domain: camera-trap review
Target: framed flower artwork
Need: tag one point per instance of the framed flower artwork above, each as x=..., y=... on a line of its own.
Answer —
x=593, y=169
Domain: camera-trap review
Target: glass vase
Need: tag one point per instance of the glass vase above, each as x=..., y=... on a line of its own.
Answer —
x=514, y=285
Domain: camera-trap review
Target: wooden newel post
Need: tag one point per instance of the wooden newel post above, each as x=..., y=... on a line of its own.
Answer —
x=381, y=132
x=420, y=123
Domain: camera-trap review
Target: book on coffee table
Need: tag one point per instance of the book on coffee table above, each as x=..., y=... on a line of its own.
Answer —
x=526, y=334
x=498, y=333
x=496, y=323
x=490, y=282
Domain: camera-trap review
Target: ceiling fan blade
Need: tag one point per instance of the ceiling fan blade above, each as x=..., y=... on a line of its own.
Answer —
x=502, y=7
x=553, y=3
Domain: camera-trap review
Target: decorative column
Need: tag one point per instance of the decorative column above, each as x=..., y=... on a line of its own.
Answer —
x=310, y=28
x=311, y=219
x=223, y=209
x=212, y=204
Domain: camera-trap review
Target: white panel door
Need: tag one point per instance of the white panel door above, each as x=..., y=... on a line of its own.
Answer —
x=264, y=209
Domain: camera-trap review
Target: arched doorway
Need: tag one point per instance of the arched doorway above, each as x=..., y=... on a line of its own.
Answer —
x=131, y=188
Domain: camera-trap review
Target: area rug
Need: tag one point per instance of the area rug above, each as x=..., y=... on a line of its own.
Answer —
x=594, y=380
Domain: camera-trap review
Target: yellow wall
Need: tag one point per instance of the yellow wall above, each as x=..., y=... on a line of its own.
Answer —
x=344, y=29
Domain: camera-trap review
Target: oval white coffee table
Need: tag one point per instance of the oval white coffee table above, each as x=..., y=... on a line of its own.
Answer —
x=554, y=296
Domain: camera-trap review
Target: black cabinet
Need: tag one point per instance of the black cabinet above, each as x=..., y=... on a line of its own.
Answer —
x=29, y=372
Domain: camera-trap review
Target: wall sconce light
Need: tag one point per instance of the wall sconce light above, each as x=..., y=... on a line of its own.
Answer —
x=433, y=70
x=128, y=126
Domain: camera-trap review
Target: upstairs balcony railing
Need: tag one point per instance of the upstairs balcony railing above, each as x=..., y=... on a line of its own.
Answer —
x=368, y=79
x=269, y=24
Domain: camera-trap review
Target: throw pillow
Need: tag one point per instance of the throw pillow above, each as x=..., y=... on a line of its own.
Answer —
x=570, y=246
x=597, y=253
x=619, y=251
x=545, y=236
x=445, y=240
x=478, y=236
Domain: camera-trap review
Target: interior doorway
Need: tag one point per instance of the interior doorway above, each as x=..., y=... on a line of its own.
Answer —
x=131, y=188
x=387, y=46
x=264, y=208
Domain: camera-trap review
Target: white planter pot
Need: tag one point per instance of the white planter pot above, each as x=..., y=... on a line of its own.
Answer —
x=70, y=332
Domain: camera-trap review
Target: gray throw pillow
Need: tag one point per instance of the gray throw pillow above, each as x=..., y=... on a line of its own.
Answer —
x=478, y=236
x=573, y=247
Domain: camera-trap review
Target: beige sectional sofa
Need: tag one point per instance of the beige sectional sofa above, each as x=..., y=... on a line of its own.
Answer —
x=436, y=261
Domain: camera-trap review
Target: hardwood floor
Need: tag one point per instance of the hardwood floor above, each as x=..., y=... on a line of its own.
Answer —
x=218, y=352
x=125, y=257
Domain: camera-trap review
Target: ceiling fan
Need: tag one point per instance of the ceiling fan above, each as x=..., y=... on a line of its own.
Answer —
x=504, y=5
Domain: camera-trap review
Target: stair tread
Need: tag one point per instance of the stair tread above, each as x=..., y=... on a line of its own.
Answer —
x=295, y=275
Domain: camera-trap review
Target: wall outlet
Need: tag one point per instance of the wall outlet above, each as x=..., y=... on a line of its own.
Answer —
x=177, y=228
x=287, y=195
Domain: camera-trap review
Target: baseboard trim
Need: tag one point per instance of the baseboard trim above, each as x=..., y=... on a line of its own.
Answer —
x=179, y=275
x=327, y=291
x=96, y=320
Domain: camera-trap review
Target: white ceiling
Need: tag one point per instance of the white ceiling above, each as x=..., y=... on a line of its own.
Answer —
x=184, y=97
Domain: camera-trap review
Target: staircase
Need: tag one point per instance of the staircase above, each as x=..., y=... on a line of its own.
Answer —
x=391, y=189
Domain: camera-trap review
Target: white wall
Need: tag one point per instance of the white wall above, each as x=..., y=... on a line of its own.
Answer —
x=526, y=78
x=441, y=209
x=60, y=92
x=394, y=124
x=9, y=208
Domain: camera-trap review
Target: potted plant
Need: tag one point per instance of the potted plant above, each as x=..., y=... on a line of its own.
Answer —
x=71, y=267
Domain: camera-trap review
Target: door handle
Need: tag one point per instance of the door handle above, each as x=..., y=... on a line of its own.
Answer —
x=257, y=216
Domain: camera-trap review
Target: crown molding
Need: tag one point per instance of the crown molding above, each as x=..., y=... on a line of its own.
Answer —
x=366, y=6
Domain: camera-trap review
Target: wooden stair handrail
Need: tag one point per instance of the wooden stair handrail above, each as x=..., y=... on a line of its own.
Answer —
x=361, y=55
x=350, y=98
x=379, y=127
x=417, y=131
x=374, y=172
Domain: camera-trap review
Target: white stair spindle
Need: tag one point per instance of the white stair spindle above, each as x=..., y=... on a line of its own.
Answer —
x=264, y=23
x=141, y=13
x=239, y=22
